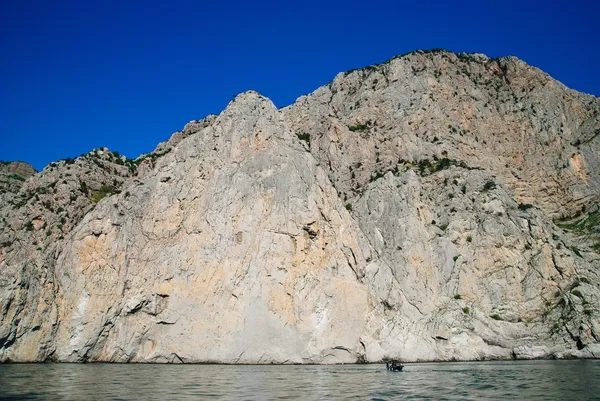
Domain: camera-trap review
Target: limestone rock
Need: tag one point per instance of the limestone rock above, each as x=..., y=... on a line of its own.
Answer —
x=404, y=210
x=12, y=177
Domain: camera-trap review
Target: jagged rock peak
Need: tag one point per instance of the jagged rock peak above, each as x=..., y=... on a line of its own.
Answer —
x=249, y=102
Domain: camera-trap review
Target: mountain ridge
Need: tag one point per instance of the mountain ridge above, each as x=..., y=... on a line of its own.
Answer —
x=400, y=211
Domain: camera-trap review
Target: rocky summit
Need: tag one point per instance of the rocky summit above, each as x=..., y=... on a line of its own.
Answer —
x=437, y=206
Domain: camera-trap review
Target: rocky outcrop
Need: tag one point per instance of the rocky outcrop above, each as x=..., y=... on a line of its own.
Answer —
x=501, y=115
x=12, y=176
x=405, y=210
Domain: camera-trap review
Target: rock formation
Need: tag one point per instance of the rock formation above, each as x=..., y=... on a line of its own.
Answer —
x=438, y=206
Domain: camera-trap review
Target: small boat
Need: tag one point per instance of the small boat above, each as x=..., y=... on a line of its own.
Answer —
x=394, y=366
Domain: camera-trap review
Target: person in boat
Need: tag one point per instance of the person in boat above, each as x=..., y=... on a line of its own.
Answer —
x=394, y=366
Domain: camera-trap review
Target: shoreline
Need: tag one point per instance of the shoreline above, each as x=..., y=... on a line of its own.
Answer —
x=470, y=361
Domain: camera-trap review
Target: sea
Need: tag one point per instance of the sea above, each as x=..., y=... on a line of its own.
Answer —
x=517, y=380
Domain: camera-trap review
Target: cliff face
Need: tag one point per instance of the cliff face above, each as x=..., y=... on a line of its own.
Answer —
x=435, y=207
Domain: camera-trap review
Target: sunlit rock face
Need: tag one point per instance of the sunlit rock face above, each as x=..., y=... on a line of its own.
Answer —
x=434, y=207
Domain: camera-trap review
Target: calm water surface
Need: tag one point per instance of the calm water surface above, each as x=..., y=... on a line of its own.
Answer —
x=524, y=380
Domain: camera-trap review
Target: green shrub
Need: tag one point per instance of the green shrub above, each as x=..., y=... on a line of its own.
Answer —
x=469, y=239
x=439, y=165
x=376, y=176
x=489, y=185
x=102, y=192
x=496, y=316
x=358, y=128
x=83, y=187
x=303, y=136
x=348, y=207
x=457, y=296
x=16, y=177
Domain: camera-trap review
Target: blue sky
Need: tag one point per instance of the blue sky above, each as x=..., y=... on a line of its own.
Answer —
x=77, y=75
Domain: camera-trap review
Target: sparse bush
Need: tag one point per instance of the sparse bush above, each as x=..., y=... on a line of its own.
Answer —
x=83, y=187
x=303, y=136
x=496, y=316
x=358, y=128
x=489, y=185
x=376, y=176
x=16, y=177
x=102, y=192
x=525, y=206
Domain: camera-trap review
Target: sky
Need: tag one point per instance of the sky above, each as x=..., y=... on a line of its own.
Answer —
x=81, y=74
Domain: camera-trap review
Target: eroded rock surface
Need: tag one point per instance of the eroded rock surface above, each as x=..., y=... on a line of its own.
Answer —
x=405, y=210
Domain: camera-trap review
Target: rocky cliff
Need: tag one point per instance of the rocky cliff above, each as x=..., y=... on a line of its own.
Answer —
x=438, y=206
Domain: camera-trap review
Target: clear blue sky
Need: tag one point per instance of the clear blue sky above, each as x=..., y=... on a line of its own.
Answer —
x=79, y=74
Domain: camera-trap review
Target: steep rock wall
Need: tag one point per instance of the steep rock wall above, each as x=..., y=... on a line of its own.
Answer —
x=405, y=210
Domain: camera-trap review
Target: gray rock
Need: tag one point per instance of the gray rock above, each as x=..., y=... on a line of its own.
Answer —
x=402, y=211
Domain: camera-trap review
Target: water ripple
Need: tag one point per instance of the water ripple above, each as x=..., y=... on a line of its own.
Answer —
x=574, y=380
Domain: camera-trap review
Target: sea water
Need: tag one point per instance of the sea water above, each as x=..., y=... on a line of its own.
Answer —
x=523, y=380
